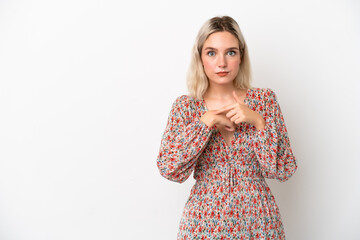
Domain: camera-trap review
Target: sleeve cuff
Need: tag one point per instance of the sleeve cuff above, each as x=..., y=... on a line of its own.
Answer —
x=204, y=126
x=263, y=132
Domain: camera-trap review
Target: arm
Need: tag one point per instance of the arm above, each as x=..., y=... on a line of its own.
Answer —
x=182, y=142
x=272, y=144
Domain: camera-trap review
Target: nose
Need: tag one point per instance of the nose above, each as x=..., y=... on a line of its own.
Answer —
x=221, y=61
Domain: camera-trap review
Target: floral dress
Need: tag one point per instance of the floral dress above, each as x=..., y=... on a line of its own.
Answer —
x=230, y=199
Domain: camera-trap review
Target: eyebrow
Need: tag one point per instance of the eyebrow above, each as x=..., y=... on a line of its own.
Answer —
x=232, y=48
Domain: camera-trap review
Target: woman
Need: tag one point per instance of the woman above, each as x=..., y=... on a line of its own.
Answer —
x=232, y=136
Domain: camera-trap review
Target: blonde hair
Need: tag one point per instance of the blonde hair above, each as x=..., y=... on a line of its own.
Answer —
x=197, y=81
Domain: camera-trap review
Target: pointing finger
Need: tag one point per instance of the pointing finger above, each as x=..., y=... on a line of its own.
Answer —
x=224, y=109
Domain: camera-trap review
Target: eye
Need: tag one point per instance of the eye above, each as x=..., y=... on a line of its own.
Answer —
x=231, y=53
x=211, y=53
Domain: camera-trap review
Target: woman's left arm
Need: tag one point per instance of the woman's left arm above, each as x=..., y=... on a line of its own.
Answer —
x=272, y=144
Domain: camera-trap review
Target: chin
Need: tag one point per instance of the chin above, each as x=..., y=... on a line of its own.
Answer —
x=225, y=80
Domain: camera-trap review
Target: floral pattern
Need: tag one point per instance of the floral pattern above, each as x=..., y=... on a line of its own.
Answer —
x=230, y=199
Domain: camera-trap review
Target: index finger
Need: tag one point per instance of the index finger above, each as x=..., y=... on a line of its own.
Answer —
x=224, y=109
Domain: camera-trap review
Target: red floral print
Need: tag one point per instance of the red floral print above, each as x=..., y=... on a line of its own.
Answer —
x=230, y=199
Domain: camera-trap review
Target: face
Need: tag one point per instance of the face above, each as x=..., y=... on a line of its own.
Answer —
x=220, y=56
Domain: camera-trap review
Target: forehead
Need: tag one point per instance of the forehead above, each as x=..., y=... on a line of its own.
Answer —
x=221, y=40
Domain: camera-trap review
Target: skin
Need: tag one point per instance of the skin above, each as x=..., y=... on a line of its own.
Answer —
x=221, y=53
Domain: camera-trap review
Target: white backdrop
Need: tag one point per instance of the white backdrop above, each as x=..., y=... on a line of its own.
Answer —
x=86, y=87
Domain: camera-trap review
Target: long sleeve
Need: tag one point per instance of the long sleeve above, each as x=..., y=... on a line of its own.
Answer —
x=272, y=144
x=183, y=141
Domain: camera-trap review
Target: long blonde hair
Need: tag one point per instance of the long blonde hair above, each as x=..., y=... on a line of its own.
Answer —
x=197, y=81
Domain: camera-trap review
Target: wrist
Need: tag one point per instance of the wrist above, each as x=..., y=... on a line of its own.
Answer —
x=208, y=119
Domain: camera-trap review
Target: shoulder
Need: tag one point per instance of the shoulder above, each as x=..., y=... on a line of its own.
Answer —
x=188, y=106
x=263, y=94
x=182, y=101
x=187, y=101
x=184, y=106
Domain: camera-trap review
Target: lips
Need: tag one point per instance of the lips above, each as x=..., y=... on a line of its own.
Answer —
x=222, y=74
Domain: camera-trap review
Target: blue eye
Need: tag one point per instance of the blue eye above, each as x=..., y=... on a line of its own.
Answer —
x=231, y=53
x=211, y=53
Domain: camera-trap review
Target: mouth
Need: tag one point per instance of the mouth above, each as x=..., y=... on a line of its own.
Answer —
x=222, y=74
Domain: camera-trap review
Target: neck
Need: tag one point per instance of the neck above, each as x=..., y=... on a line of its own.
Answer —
x=220, y=92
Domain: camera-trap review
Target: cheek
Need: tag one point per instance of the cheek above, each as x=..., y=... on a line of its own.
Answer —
x=235, y=65
x=208, y=65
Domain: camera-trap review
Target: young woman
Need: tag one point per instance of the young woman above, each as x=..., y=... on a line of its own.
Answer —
x=232, y=136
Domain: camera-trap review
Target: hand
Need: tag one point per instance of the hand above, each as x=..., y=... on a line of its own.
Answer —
x=238, y=112
x=211, y=119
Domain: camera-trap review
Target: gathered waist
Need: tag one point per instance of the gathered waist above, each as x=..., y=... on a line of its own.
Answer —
x=232, y=181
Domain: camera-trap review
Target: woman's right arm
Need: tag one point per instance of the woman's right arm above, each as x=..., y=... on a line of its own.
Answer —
x=184, y=139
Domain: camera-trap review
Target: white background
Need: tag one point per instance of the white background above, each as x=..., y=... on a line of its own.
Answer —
x=86, y=88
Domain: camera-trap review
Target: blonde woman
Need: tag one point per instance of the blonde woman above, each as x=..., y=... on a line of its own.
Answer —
x=231, y=136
